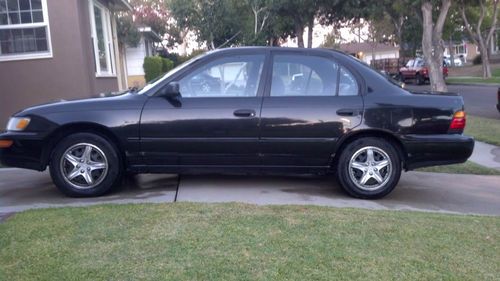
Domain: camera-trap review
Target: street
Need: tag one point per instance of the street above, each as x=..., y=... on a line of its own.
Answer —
x=467, y=194
x=479, y=100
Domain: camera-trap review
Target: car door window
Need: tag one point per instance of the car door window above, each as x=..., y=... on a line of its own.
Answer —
x=300, y=75
x=348, y=86
x=410, y=63
x=236, y=76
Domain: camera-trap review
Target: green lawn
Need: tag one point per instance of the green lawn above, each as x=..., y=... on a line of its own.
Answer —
x=472, y=80
x=476, y=80
x=483, y=129
x=465, y=168
x=185, y=241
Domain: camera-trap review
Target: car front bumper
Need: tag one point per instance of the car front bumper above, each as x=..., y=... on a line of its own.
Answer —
x=433, y=150
x=26, y=150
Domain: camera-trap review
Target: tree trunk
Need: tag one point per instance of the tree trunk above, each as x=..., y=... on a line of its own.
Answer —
x=482, y=42
x=483, y=48
x=299, y=32
x=451, y=48
x=432, y=43
x=255, y=20
x=310, y=33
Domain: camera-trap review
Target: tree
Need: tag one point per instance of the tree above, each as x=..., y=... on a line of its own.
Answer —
x=404, y=20
x=261, y=10
x=302, y=14
x=215, y=22
x=481, y=36
x=152, y=13
x=432, y=41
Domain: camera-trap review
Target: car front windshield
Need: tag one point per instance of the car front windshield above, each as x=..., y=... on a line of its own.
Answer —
x=151, y=84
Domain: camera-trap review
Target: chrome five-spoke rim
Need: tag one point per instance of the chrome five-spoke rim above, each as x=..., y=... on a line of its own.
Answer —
x=84, y=166
x=370, y=168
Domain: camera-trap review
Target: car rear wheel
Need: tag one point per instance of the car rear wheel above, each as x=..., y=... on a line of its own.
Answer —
x=85, y=165
x=369, y=168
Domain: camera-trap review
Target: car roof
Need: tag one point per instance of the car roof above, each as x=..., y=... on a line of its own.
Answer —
x=277, y=48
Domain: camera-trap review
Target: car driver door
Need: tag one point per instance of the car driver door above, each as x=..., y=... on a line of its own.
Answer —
x=215, y=121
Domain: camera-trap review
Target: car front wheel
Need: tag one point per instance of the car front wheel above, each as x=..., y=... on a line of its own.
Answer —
x=369, y=168
x=85, y=165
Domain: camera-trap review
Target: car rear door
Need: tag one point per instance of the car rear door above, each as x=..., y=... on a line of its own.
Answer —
x=215, y=122
x=310, y=103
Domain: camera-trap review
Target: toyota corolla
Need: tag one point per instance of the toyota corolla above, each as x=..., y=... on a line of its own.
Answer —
x=245, y=110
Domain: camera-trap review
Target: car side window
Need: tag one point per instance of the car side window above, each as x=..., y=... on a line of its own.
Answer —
x=236, y=76
x=348, y=85
x=300, y=75
x=410, y=63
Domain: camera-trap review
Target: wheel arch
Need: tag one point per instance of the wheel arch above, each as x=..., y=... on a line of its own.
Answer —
x=80, y=127
x=343, y=142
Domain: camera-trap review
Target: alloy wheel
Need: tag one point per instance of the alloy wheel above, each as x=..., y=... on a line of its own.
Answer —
x=84, y=166
x=370, y=168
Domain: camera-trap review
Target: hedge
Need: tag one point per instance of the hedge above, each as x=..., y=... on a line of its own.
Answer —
x=152, y=67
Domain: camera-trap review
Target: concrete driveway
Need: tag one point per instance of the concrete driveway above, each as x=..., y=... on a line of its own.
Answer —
x=24, y=189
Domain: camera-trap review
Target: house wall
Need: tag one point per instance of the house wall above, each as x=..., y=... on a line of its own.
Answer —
x=135, y=59
x=69, y=74
x=380, y=55
x=97, y=84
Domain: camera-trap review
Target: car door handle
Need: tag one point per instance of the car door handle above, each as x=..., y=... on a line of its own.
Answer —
x=348, y=112
x=244, y=113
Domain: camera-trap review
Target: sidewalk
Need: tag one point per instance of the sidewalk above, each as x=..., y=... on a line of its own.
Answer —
x=486, y=155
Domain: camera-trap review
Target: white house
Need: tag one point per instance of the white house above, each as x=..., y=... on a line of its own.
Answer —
x=368, y=51
x=134, y=56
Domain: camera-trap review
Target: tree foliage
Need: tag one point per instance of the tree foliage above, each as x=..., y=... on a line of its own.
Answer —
x=480, y=19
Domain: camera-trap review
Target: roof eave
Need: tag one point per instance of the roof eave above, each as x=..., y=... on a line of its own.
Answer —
x=122, y=5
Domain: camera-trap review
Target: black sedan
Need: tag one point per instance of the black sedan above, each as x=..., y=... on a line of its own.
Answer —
x=245, y=110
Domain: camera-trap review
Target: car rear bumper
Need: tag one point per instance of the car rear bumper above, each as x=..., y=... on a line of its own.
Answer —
x=433, y=150
x=25, y=151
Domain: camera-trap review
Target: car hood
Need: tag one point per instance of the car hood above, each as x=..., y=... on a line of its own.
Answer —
x=123, y=101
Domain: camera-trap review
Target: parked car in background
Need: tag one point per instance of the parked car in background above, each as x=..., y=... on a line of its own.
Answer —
x=457, y=61
x=273, y=110
x=416, y=69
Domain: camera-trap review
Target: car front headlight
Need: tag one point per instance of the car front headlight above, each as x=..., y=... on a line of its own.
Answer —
x=18, y=123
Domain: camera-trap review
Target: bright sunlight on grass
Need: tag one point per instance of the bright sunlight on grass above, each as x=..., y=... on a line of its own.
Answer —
x=184, y=241
x=483, y=129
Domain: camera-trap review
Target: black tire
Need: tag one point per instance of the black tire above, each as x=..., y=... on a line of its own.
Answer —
x=111, y=178
x=420, y=79
x=393, y=172
x=401, y=78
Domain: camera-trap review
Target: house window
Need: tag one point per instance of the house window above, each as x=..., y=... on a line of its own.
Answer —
x=100, y=21
x=24, y=30
x=460, y=49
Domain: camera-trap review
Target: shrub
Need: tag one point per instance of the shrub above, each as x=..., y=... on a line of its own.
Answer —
x=477, y=59
x=167, y=65
x=152, y=67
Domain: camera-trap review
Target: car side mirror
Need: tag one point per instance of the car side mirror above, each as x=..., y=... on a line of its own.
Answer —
x=171, y=90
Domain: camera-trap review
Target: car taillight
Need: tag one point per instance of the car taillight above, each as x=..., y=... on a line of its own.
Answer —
x=458, y=121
